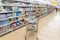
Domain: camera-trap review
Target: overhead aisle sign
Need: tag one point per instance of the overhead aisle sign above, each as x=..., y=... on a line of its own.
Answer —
x=54, y=3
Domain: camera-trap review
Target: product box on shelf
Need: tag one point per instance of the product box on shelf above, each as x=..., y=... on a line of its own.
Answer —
x=12, y=20
x=7, y=8
x=2, y=22
x=20, y=9
x=4, y=29
x=14, y=8
x=8, y=27
x=16, y=14
x=23, y=16
x=9, y=15
x=13, y=25
x=2, y=16
x=18, y=23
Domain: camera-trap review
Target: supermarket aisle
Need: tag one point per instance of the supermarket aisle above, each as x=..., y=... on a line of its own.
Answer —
x=49, y=27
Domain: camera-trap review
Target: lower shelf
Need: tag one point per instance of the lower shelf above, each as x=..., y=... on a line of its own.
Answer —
x=12, y=30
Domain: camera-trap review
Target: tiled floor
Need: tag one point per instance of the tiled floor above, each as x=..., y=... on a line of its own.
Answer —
x=15, y=35
x=48, y=29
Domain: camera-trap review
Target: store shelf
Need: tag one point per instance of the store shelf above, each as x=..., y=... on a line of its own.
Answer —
x=9, y=17
x=11, y=30
x=17, y=5
x=21, y=1
x=9, y=23
x=27, y=9
x=9, y=11
x=6, y=32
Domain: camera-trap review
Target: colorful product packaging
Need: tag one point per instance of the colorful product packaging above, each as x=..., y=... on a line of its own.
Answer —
x=13, y=25
x=8, y=27
x=2, y=16
x=2, y=22
x=9, y=15
x=14, y=8
x=18, y=23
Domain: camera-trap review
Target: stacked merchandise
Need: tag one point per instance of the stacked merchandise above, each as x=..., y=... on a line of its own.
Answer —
x=16, y=14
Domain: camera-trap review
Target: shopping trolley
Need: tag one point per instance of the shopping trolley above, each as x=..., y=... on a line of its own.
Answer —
x=32, y=30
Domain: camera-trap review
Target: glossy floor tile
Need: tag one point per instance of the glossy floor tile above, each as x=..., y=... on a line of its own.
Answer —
x=49, y=27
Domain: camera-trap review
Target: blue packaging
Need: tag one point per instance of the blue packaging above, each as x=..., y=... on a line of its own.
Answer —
x=9, y=15
x=2, y=16
x=2, y=22
x=18, y=23
x=17, y=14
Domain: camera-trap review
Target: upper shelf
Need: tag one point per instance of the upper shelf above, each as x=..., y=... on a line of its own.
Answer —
x=21, y=1
x=15, y=5
x=18, y=5
x=9, y=11
x=28, y=2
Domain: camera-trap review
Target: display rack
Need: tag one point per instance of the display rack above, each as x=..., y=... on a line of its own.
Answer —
x=17, y=13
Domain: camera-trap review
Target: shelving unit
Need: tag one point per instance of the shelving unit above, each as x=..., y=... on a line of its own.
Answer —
x=17, y=13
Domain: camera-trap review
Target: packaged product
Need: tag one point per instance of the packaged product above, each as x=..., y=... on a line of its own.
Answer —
x=2, y=16
x=13, y=25
x=12, y=19
x=14, y=8
x=4, y=29
x=8, y=27
x=9, y=15
x=18, y=23
x=2, y=22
